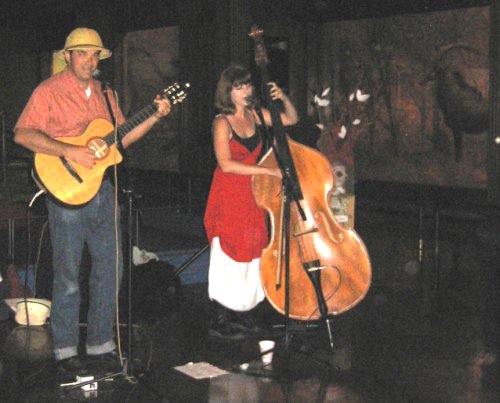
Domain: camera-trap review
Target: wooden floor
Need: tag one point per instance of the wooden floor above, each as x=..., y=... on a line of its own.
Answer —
x=426, y=332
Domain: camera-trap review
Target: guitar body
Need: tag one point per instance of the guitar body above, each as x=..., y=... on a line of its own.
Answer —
x=52, y=175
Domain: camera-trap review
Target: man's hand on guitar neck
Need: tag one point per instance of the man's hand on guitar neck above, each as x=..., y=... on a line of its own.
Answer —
x=163, y=109
x=83, y=156
x=163, y=105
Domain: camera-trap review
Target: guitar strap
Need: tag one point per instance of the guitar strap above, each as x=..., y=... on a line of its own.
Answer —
x=112, y=116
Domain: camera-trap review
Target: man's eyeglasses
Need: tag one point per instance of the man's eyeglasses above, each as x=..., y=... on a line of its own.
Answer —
x=240, y=84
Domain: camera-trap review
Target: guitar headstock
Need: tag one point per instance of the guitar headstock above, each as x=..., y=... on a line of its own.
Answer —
x=257, y=34
x=177, y=92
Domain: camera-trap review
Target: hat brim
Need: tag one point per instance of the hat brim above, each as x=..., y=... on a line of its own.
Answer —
x=104, y=54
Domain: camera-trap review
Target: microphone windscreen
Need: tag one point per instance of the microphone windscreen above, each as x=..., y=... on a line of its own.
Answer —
x=97, y=74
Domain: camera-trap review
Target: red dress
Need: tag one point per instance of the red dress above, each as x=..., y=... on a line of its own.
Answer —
x=232, y=214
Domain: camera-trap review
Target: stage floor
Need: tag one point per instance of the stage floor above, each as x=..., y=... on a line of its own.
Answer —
x=424, y=333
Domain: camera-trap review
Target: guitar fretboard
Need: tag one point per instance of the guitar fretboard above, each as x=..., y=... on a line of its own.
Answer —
x=130, y=124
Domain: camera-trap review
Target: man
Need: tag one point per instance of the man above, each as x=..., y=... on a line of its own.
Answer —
x=63, y=106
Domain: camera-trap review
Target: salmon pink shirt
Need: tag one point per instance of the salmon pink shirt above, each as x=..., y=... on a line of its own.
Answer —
x=59, y=106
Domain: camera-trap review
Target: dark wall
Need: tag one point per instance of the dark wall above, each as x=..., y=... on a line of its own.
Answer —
x=19, y=74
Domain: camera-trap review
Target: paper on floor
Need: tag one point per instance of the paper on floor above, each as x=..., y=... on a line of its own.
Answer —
x=201, y=370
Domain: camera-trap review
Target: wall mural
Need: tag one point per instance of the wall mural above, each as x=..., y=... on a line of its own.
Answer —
x=426, y=76
x=150, y=65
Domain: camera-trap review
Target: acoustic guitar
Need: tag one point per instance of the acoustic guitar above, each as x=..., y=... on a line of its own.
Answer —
x=74, y=185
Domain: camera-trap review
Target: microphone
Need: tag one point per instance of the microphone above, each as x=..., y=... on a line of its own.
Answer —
x=97, y=74
x=253, y=101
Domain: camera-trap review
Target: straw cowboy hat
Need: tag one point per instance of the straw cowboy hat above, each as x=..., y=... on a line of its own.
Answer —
x=85, y=38
x=38, y=310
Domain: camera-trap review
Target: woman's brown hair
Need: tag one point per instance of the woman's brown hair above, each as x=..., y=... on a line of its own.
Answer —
x=233, y=75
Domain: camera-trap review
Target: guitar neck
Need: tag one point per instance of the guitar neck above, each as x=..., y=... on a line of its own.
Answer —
x=176, y=93
x=130, y=124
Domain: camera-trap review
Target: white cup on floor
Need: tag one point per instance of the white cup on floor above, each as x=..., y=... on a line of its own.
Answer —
x=266, y=345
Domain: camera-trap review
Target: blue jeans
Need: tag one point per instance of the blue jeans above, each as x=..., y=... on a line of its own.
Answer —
x=70, y=229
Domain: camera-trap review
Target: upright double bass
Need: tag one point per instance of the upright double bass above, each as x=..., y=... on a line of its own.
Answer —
x=313, y=267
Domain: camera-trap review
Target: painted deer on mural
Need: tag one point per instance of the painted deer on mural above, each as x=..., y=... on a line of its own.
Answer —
x=458, y=93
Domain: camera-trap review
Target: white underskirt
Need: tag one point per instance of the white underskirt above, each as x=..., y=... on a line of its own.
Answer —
x=236, y=285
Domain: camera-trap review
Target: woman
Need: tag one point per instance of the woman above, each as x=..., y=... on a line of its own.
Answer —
x=235, y=226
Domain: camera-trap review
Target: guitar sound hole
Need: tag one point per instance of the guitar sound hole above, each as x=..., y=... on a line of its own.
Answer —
x=99, y=147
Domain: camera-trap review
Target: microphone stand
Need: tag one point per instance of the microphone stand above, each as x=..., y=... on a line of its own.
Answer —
x=128, y=368
x=129, y=192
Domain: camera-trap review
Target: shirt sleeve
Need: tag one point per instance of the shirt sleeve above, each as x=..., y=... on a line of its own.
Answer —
x=36, y=112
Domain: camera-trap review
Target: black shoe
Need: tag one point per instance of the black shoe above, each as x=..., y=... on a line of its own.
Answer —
x=71, y=366
x=247, y=324
x=226, y=330
x=105, y=362
x=221, y=326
